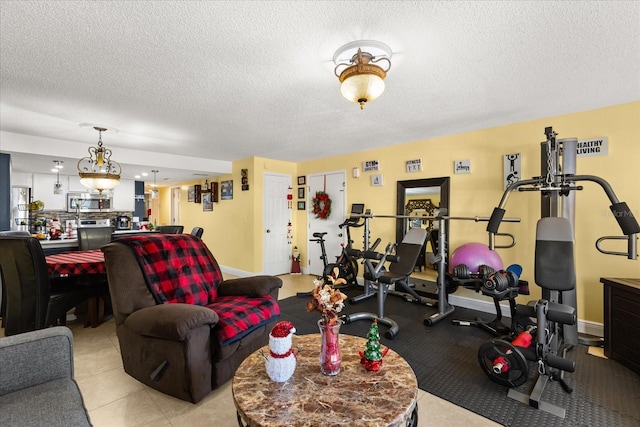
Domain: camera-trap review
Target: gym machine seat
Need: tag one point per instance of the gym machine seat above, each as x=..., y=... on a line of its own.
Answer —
x=400, y=268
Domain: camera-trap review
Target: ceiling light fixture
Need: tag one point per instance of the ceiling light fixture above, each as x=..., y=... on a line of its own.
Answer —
x=362, y=80
x=98, y=171
x=154, y=191
x=57, y=186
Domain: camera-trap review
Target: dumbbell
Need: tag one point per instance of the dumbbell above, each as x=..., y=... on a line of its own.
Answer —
x=462, y=271
x=501, y=280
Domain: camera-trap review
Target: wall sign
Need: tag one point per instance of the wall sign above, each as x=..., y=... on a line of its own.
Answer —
x=512, y=168
x=244, y=173
x=371, y=165
x=593, y=147
x=462, y=166
x=414, y=165
x=377, y=180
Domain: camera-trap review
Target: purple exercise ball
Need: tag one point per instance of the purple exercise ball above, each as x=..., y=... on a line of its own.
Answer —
x=474, y=255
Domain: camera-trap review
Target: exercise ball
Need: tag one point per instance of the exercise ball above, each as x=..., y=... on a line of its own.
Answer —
x=474, y=255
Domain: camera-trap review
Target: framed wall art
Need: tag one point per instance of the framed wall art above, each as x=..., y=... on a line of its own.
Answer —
x=302, y=206
x=302, y=180
x=300, y=192
x=191, y=193
x=226, y=190
x=207, y=204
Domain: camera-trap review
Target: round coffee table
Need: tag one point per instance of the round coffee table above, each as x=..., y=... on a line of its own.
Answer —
x=354, y=397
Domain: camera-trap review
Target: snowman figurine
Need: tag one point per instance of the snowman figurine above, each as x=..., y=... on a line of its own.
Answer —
x=281, y=361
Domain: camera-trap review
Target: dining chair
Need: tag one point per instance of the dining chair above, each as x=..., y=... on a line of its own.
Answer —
x=197, y=231
x=3, y=298
x=33, y=300
x=90, y=238
x=93, y=237
x=170, y=229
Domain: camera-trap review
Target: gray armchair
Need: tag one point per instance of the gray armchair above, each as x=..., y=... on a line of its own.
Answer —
x=36, y=380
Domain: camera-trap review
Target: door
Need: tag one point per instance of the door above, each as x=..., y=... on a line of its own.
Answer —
x=277, y=215
x=175, y=205
x=332, y=183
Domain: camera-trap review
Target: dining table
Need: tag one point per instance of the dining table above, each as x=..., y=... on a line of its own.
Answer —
x=76, y=263
x=82, y=265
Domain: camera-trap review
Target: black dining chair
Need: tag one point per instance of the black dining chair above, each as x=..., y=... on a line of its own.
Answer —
x=33, y=300
x=170, y=229
x=197, y=231
x=93, y=237
x=3, y=298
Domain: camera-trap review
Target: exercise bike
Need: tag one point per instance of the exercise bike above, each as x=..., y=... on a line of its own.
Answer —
x=346, y=266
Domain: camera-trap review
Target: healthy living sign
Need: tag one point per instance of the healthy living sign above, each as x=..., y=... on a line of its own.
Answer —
x=593, y=147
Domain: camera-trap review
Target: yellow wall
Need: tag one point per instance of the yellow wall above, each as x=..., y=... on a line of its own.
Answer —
x=233, y=230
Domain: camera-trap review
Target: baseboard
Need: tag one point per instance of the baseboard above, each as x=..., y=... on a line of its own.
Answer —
x=236, y=272
x=584, y=326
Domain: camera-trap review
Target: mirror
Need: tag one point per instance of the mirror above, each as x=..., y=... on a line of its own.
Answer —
x=422, y=197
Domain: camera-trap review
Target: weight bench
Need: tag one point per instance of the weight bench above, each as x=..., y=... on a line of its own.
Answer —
x=378, y=279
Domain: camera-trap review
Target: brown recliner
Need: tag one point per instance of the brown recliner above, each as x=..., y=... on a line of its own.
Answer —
x=184, y=349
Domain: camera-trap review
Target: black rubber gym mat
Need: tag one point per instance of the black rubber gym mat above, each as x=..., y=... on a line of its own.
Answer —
x=444, y=359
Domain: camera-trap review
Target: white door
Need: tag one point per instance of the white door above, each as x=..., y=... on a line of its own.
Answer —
x=332, y=183
x=277, y=215
x=175, y=206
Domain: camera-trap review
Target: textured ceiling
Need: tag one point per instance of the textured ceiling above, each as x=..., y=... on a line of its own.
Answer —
x=190, y=81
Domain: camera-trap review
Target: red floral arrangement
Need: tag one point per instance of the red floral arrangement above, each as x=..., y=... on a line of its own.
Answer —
x=322, y=205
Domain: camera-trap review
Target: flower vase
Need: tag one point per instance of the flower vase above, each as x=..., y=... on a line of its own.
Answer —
x=330, y=358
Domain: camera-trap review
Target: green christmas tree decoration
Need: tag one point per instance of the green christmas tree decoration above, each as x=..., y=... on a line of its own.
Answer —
x=372, y=356
x=372, y=352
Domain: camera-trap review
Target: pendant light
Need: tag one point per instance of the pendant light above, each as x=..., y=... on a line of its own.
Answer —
x=98, y=171
x=154, y=190
x=57, y=186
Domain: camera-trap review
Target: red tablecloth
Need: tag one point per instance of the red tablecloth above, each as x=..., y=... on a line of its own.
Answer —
x=76, y=263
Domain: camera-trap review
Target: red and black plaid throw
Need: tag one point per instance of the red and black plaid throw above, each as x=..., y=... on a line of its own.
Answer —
x=240, y=315
x=178, y=268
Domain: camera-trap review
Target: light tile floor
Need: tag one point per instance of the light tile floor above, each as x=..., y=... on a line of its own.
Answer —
x=115, y=399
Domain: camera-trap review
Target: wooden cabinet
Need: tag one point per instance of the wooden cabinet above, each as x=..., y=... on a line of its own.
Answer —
x=124, y=196
x=622, y=321
x=43, y=190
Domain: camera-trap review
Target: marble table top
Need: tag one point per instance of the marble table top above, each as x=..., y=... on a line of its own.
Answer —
x=354, y=397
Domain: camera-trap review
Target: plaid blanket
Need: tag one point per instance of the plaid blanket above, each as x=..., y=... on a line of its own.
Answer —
x=178, y=268
x=240, y=315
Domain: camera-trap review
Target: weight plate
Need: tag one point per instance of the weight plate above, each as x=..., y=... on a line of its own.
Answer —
x=499, y=353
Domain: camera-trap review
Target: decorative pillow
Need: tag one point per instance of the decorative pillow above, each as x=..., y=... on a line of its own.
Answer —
x=178, y=268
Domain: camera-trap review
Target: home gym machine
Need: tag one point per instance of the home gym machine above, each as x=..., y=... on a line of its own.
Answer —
x=377, y=281
x=554, y=331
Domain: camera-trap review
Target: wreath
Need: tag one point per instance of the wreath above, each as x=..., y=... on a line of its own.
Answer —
x=322, y=205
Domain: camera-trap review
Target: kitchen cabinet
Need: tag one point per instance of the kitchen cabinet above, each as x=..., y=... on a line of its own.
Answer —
x=43, y=190
x=124, y=196
x=21, y=179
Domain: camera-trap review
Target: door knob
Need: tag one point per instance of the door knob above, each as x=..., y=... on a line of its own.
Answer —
x=268, y=231
x=340, y=235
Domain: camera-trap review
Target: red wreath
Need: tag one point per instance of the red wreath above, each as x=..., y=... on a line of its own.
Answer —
x=322, y=205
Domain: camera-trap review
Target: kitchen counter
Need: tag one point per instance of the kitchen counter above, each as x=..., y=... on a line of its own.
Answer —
x=50, y=247
x=59, y=243
x=130, y=231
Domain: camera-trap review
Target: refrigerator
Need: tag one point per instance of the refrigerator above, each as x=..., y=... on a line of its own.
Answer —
x=19, y=208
